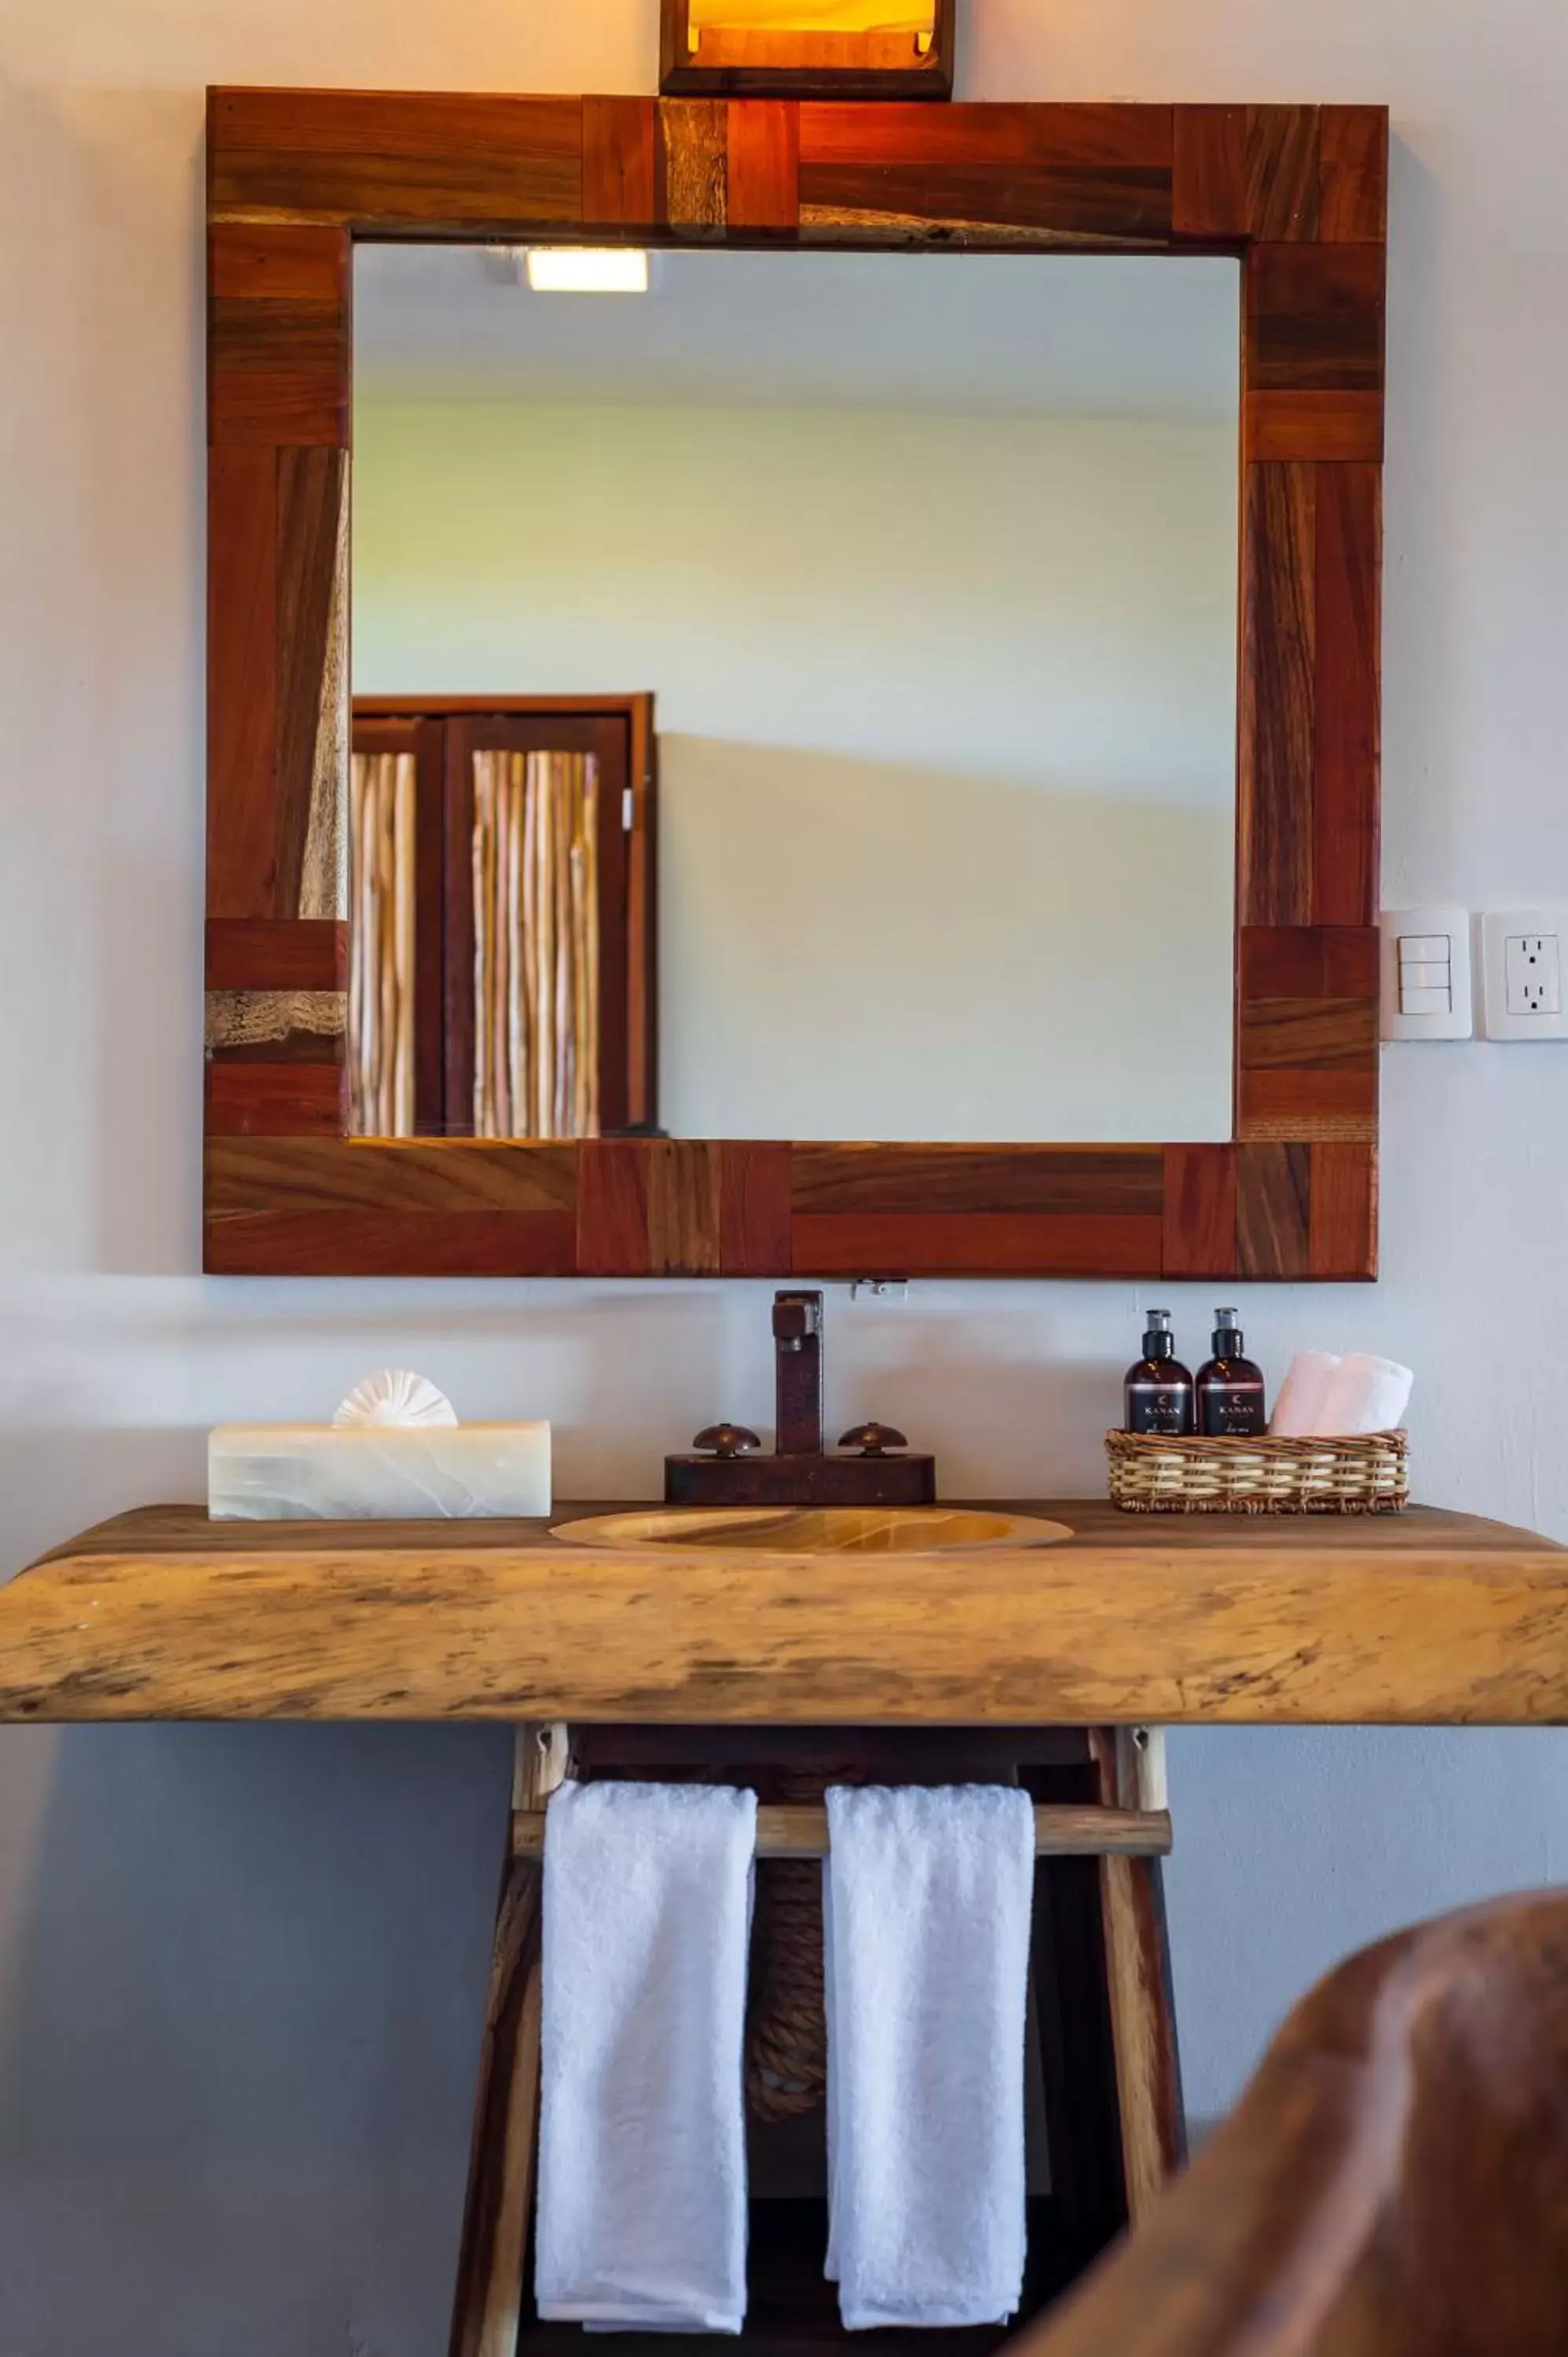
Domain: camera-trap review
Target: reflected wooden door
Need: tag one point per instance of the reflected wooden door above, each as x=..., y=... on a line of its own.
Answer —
x=470, y=768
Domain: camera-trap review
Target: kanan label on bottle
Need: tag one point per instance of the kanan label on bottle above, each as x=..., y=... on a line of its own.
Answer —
x=1232, y=1410
x=1159, y=1407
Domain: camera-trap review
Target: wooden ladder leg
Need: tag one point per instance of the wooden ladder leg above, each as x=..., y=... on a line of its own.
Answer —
x=488, y=2312
x=1130, y=1762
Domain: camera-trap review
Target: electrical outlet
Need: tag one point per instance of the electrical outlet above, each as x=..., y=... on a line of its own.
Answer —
x=1532, y=973
x=1521, y=973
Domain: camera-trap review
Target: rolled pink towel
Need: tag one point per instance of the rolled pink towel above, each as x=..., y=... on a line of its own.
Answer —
x=1366, y=1394
x=1303, y=1394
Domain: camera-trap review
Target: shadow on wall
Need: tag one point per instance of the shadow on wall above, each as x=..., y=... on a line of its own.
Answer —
x=859, y=949
x=239, y=2046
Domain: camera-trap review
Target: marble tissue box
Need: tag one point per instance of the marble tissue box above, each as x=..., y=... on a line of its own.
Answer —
x=394, y=1452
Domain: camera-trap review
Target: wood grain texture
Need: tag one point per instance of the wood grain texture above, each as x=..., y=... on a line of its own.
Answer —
x=797, y=1830
x=1342, y=1223
x=1314, y=318
x=1328, y=425
x=685, y=1206
x=1279, y=680
x=1346, y=699
x=692, y=162
x=491, y=2295
x=1354, y=174
x=612, y=1208
x=394, y=160
x=1122, y=1181
x=1245, y=173
x=620, y=163
x=1043, y=175
x=1208, y=203
x=242, y=682
x=1200, y=1220
x=389, y=1244
x=1421, y=1619
x=976, y=1243
x=279, y=356
x=270, y=954
x=414, y=1176
x=1297, y=1107
x=1138, y=1983
x=755, y=1210
x=1319, y=960
x=288, y=1099
x=1307, y=1033
x=311, y=736
x=1142, y=2018
x=1282, y=193
x=1273, y=1185
x=1395, y=2177
x=763, y=165
x=267, y=1024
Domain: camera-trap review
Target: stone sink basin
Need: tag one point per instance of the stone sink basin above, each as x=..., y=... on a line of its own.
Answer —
x=817, y=1530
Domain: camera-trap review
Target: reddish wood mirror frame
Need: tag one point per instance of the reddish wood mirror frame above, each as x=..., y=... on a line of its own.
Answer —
x=1299, y=193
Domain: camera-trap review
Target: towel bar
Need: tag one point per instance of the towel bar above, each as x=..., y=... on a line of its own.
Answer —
x=1060, y=1832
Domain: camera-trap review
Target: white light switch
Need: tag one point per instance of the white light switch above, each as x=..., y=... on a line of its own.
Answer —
x=1426, y=973
x=1521, y=974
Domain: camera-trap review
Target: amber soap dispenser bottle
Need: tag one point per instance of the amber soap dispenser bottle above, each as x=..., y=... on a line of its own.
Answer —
x=1158, y=1389
x=1229, y=1387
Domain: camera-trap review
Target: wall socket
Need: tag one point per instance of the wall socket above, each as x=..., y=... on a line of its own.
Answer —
x=1521, y=974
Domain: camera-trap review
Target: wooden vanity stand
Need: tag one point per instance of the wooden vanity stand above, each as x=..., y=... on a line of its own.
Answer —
x=1053, y=1666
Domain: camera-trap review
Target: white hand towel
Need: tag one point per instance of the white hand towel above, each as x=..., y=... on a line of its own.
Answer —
x=1366, y=1394
x=1303, y=1392
x=927, y=1898
x=642, y=2141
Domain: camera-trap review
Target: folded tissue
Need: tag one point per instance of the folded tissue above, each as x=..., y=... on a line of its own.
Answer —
x=394, y=1451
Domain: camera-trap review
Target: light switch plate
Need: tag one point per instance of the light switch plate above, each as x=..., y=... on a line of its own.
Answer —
x=1523, y=951
x=1426, y=992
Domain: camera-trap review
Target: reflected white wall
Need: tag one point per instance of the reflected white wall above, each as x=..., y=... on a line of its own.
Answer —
x=946, y=718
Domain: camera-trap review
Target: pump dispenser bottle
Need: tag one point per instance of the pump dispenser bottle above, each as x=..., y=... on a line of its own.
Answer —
x=1158, y=1389
x=1230, y=1403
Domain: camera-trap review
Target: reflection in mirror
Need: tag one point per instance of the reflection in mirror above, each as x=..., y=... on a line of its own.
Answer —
x=836, y=651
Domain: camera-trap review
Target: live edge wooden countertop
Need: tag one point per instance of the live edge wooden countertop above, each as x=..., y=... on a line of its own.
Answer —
x=1424, y=1618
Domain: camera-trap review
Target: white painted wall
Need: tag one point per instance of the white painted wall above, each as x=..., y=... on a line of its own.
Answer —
x=922, y=758
x=239, y=1969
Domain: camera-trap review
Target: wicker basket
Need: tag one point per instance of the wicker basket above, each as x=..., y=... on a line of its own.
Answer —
x=1362, y=1473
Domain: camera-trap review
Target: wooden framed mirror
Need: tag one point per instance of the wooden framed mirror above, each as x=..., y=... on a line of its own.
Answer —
x=296, y=180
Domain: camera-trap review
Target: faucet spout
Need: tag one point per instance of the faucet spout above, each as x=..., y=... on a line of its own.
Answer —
x=798, y=1347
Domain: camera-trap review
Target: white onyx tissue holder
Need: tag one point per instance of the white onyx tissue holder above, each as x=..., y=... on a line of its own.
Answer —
x=394, y=1451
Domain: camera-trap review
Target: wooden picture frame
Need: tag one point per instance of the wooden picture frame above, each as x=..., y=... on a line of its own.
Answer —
x=1297, y=192
x=804, y=65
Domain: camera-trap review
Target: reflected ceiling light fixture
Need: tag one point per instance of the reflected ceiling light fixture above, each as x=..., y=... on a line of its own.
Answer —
x=586, y=269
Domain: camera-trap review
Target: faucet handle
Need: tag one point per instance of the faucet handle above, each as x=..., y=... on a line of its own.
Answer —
x=796, y=1320
x=726, y=1440
x=874, y=1439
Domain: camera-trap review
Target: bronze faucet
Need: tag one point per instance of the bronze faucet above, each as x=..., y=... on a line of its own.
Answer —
x=727, y=1469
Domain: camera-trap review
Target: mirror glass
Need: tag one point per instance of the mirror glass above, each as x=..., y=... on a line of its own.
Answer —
x=797, y=700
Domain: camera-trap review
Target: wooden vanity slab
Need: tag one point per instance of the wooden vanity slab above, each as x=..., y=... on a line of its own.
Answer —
x=1425, y=1618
